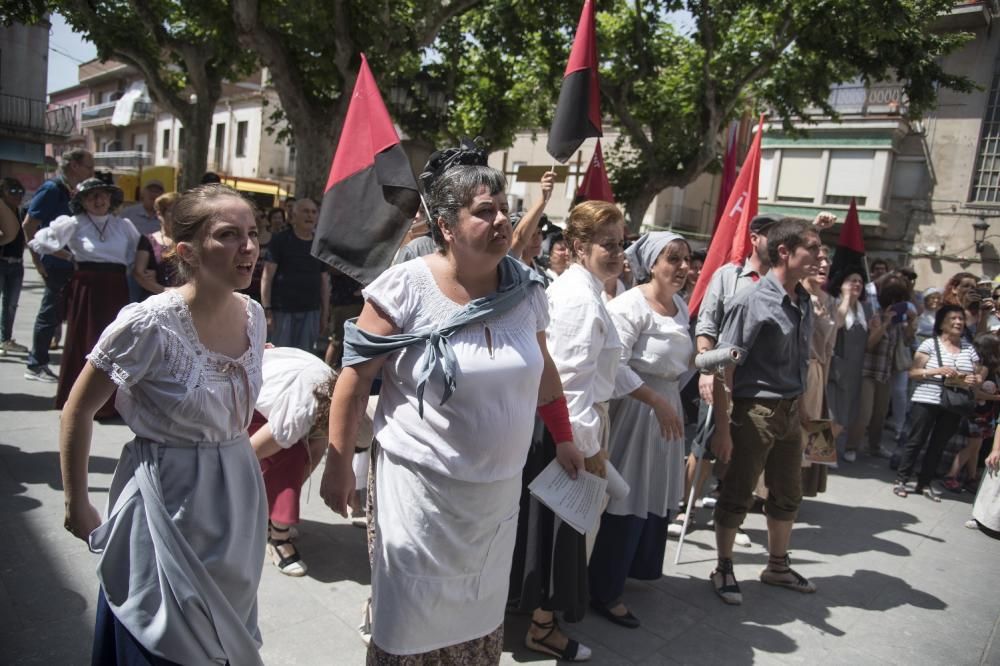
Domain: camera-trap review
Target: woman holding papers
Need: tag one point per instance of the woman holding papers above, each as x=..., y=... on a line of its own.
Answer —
x=550, y=562
x=647, y=433
x=459, y=337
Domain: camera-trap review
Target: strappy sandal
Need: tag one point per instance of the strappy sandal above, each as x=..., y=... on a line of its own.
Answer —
x=293, y=533
x=290, y=565
x=574, y=651
x=899, y=489
x=778, y=577
x=730, y=593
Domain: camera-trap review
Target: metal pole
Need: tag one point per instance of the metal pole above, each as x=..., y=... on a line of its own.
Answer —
x=694, y=487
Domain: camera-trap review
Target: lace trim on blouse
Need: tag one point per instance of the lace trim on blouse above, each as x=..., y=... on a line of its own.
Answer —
x=188, y=360
x=103, y=362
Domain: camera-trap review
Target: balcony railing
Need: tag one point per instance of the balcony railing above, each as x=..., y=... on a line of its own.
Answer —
x=100, y=114
x=123, y=159
x=881, y=99
x=21, y=113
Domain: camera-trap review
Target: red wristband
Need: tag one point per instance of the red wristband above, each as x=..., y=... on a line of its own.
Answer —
x=555, y=416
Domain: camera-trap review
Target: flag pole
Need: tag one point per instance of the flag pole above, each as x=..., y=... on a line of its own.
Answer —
x=427, y=211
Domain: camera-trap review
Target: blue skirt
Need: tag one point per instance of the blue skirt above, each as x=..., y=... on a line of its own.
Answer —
x=115, y=646
x=626, y=547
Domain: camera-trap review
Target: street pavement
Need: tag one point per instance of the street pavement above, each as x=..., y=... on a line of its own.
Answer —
x=900, y=581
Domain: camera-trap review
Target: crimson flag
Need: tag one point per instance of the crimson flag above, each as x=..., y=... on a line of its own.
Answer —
x=731, y=240
x=595, y=185
x=728, y=173
x=850, y=253
x=578, y=112
x=371, y=194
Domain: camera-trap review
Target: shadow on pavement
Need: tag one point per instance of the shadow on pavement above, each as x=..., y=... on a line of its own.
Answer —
x=25, y=402
x=859, y=535
x=43, y=467
x=334, y=552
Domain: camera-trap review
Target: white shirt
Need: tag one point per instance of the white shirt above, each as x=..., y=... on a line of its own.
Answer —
x=287, y=398
x=483, y=432
x=82, y=235
x=143, y=220
x=653, y=345
x=585, y=347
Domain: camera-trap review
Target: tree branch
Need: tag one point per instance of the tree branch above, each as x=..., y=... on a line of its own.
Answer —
x=427, y=30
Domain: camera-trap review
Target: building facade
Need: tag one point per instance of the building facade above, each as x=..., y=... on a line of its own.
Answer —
x=27, y=123
x=921, y=187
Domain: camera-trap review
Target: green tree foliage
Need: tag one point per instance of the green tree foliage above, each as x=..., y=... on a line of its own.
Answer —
x=672, y=93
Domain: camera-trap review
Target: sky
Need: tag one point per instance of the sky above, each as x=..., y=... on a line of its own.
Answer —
x=67, y=50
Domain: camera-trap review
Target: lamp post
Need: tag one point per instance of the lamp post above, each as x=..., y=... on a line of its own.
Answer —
x=979, y=230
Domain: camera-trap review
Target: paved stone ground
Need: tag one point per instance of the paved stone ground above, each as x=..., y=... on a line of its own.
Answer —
x=900, y=581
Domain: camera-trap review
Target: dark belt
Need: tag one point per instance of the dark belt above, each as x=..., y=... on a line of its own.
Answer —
x=11, y=260
x=100, y=267
x=772, y=402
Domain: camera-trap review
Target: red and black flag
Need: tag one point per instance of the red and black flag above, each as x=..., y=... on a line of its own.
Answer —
x=578, y=113
x=595, y=185
x=850, y=254
x=371, y=194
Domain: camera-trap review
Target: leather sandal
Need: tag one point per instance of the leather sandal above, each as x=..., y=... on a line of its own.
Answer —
x=627, y=620
x=786, y=576
x=290, y=565
x=574, y=651
x=730, y=593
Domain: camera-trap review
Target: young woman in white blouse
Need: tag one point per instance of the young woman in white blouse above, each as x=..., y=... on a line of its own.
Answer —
x=102, y=248
x=182, y=544
x=550, y=560
x=646, y=443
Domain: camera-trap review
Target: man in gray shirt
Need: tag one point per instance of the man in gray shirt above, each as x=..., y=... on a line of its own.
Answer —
x=772, y=322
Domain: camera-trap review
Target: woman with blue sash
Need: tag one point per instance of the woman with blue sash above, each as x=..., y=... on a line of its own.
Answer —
x=459, y=338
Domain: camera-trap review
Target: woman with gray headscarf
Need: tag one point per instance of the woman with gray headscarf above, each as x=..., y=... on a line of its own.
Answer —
x=646, y=443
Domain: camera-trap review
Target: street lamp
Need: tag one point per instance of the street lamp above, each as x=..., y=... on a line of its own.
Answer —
x=979, y=230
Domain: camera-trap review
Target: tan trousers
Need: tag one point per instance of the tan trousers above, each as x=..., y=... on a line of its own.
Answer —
x=871, y=414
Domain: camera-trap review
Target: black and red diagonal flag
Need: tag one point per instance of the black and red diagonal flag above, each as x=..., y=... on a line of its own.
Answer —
x=595, y=185
x=850, y=254
x=371, y=194
x=578, y=113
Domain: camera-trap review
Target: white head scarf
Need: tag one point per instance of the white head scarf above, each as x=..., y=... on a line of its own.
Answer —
x=643, y=253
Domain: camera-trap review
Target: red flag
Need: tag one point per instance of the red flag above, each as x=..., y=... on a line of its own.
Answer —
x=850, y=234
x=578, y=112
x=850, y=254
x=371, y=194
x=728, y=173
x=595, y=185
x=731, y=240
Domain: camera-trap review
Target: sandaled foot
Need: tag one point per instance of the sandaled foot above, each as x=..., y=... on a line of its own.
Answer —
x=619, y=614
x=778, y=572
x=724, y=581
x=545, y=637
x=291, y=532
x=899, y=489
x=283, y=552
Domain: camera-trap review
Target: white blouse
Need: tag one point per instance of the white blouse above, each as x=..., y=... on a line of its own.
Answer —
x=170, y=386
x=584, y=345
x=287, y=399
x=483, y=432
x=82, y=234
x=653, y=345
